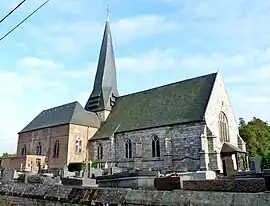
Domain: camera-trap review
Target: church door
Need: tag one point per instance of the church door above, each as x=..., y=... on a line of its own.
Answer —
x=224, y=167
x=228, y=168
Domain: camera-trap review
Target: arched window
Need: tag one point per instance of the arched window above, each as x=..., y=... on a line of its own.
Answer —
x=223, y=128
x=128, y=146
x=79, y=144
x=99, y=152
x=56, y=149
x=24, y=150
x=155, y=147
x=39, y=149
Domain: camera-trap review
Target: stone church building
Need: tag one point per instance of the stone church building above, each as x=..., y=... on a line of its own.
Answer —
x=185, y=126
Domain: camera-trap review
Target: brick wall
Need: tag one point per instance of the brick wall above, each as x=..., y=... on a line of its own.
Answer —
x=78, y=131
x=65, y=134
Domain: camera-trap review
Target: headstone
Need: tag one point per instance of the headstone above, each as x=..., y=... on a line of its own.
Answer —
x=87, y=171
x=267, y=171
x=16, y=174
x=96, y=172
x=81, y=173
x=39, y=179
x=256, y=165
x=65, y=171
x=229, y=167
x=7, y=175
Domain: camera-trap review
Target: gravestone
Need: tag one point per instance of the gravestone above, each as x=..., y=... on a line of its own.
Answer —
x=64, y=172
x=256, y=165
x=7, y=175
x=16, y=174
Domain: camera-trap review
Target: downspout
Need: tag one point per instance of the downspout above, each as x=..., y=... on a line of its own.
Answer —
x=87, y=154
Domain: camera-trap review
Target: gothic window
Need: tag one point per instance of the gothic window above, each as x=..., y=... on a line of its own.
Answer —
x=23, y=150
x=56, y=149
x=128, y=146
x=99, y=152
x=155, y=147
x=39, y=149
x=223, y=128
x=79, y=144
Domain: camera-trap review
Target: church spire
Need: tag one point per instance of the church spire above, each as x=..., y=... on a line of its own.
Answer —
x=105, y=91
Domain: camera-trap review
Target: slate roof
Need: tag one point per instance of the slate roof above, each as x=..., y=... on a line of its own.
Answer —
x=229, y=148
x=72, y=113
x=105, y=85
x=176, y=103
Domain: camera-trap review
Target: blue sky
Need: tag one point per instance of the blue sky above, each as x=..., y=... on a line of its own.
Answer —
x=51, y=59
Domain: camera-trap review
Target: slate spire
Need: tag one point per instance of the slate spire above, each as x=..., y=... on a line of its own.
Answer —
x=105, y=91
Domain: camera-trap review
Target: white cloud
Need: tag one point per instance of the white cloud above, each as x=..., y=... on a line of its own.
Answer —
x=36, y=83
x=69, y=38
x=144, y=26
x=36, y=63
x=25, y=91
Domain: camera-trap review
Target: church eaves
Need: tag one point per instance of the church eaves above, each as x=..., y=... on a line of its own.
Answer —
x=104, y=91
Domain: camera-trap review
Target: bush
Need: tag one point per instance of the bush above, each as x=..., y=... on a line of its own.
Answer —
x=94, y=165
x=21, y=178
x=265, y=163
x=76, y=166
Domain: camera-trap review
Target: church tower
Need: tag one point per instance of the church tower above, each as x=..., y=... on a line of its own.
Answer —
x=104, y=91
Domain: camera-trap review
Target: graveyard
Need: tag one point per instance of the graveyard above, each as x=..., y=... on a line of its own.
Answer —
x=137, y=187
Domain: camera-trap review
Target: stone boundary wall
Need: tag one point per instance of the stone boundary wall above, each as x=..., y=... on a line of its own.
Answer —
x=69, y=196
x=227, y=185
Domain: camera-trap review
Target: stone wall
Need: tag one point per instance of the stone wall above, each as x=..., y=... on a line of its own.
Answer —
x=183, y=152
x=23, y=195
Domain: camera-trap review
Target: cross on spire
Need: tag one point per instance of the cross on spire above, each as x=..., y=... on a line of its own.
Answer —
x=108, y=13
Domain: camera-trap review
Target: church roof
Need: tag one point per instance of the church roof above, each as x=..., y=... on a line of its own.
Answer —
x=72, y=113
x=229, y=148
x=175, y=103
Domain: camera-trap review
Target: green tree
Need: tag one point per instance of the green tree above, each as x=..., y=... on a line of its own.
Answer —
x=5, y=154
x=256, y=133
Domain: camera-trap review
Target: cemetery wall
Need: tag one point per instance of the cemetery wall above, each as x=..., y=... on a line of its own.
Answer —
x=26, y=194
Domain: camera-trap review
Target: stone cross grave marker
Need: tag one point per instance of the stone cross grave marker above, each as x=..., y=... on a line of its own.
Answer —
x=65, y=171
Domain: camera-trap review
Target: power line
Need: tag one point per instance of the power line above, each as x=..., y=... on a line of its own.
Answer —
x=12, y=11
x=24, y=20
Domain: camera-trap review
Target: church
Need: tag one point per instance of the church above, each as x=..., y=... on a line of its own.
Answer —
x=183, y=126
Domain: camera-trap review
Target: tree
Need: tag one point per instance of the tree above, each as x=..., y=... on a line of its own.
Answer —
x=256, y=133
x=5, y=154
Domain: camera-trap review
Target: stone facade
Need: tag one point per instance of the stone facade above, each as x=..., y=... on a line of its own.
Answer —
x=184, y=152
x=185, y=147
x=212, y=145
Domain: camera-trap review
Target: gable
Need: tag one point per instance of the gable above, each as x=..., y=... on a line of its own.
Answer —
x=219, y=102
x=72, y=113
x=176, y=103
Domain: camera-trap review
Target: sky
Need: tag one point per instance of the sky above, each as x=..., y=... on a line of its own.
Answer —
x=51, y=59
